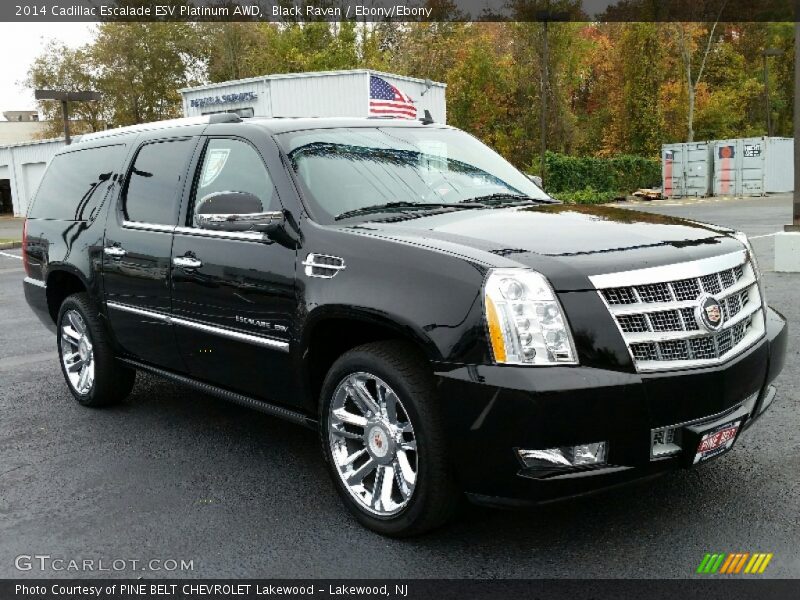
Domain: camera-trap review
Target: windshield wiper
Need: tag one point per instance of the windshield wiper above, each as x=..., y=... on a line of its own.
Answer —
x=392, y=206
x=507, y=198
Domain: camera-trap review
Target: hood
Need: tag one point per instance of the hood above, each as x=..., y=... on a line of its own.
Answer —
x=565, y=242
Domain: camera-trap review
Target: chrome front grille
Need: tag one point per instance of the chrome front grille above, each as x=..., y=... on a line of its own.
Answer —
x=655, y=310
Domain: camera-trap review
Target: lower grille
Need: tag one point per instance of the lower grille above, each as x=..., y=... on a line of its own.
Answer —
x=701, y=348
x=662, y=322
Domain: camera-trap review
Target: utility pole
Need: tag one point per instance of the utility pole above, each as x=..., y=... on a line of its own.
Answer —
x=545, y=16
x=545, y=86
x=766, y=54
x=66, y=98
x=795, y=226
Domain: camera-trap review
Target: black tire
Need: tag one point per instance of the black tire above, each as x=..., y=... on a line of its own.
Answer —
x=112, y=381
x=435, y=497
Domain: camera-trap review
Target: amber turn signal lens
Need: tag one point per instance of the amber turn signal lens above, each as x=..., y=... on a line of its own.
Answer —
x=495, y=332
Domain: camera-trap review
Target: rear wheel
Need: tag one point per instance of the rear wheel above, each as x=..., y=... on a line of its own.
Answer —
x=90, y=368
x=384, y=442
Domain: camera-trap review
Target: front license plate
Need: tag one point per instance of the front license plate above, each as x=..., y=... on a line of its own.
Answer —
x=716, y=441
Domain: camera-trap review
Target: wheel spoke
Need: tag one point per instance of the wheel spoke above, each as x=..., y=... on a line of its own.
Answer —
x=76, y=322
x=83, y=378
x=351, y=458
x=357, y=476
x=76, y=366
x=362, y=397
x=70, y=335
x=343, y=433
x=405, y=466
x=344, y=416
x=410, y=445
x=377, y=488
x=390, y=405
x=386, y=487
x=403, y=485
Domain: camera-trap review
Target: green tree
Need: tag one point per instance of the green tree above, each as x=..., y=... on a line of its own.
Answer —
x=59, y=67
x=141, y=67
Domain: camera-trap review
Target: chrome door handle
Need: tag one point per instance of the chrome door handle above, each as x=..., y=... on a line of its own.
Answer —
x=187, y=262
x=114, y=251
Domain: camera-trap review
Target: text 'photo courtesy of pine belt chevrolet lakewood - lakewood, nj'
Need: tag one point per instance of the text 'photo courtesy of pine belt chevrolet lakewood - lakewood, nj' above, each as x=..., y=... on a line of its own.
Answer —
x=448, y=328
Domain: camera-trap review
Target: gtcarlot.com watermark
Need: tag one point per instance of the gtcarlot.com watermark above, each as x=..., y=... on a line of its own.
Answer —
x=59, y=564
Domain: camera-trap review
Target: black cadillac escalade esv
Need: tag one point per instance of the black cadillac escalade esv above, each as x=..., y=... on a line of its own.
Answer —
x=446, y=325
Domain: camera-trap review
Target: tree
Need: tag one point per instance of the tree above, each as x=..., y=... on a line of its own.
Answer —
x=687, y=36
x=141, y=67
x=59, y=67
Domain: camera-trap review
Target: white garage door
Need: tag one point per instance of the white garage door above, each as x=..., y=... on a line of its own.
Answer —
x=32, y=175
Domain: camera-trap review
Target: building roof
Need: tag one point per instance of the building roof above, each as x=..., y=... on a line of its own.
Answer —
x=223, y=84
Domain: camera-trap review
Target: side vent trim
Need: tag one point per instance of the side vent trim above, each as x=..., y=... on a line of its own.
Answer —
x=323, y=266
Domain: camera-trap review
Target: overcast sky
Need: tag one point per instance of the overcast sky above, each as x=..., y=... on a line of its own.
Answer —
x=20, y=44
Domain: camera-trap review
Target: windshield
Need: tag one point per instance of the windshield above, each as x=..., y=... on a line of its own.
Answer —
x=348, y=169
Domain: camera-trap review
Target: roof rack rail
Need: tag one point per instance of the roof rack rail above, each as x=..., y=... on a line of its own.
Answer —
x=225, y=117
x=155, y=125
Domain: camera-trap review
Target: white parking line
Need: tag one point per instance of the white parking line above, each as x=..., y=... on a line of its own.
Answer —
x=755, y=237
x=10, y=255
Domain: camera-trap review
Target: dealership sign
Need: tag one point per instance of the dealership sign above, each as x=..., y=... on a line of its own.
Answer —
x=224, y=99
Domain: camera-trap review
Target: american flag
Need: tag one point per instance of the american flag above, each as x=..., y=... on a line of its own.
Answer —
x=385, y=100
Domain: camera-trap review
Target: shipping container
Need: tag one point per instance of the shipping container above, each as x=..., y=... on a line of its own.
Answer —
x=686, y=169
x=352, y=93
x=21, y=169
x=753, y=166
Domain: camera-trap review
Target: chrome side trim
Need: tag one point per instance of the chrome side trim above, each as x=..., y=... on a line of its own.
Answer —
x=228, y=333
x=673, y=272
x=36, y=282
x=231, y=235
x=148, y=226
x=234, y=335
x=158, y=316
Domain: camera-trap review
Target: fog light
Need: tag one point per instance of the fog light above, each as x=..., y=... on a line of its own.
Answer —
x=583, y=455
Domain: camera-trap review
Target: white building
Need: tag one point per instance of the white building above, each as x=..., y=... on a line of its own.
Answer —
x=317, y=94
x=21, y=168
x=356, y=93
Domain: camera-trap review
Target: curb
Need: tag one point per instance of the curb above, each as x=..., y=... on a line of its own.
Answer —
x=10, y=245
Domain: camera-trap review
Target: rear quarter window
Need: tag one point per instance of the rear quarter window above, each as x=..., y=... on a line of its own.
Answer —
x=76, y=183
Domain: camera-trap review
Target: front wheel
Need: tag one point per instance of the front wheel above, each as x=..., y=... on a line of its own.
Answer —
x=384, y=442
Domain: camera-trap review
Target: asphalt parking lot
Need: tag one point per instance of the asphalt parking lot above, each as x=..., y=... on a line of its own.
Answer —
x=173, y=474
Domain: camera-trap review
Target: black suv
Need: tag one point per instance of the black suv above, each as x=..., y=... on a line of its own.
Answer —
x=446, y=325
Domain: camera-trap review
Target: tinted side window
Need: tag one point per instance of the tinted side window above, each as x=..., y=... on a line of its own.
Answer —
x=235, y=166
x=155, y=182
x=76, y=184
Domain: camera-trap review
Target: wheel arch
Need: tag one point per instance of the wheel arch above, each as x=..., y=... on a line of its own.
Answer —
x=62, y=282
x=332, y=331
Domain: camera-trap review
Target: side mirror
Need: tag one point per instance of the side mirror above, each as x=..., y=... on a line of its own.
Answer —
x=235, y=211
x=536, y=180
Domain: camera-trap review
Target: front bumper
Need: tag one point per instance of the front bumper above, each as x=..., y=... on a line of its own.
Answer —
x=492, y=409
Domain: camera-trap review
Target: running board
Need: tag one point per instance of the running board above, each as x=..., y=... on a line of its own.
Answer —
x=235, y=398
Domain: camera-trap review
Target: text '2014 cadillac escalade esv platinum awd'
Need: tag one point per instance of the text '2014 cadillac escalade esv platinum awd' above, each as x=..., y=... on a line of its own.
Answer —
x=446, y=325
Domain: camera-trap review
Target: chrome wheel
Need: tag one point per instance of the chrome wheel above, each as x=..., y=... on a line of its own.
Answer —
x=372, y=443
x=77, y=355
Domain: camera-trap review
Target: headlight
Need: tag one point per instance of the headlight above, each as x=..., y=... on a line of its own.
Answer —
x=525, y=320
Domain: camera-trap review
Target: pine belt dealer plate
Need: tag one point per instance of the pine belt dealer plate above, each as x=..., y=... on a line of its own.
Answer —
x=704, y=441
x=717, y=441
